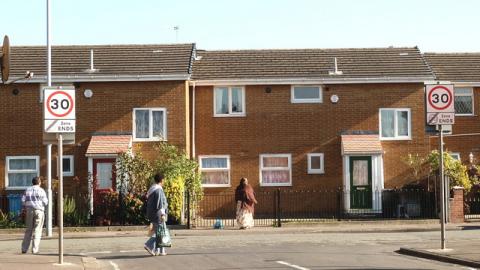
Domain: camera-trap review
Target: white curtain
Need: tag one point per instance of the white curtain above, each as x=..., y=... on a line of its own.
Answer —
x=215, y=177
x=237, y=100
x=277, y=176
x=208, y=163
x=275, y=162
x=158, y=124
x=388, y=125
x=141, y=123
x=221, y=100
x=402, y=119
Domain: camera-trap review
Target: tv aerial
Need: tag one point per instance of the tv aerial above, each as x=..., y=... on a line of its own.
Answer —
x=5, y=59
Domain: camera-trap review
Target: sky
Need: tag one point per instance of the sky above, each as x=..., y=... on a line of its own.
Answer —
x=433, y=26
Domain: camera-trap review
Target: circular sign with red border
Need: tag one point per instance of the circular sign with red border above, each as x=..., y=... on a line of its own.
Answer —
x=440, y=97
x=60, y=104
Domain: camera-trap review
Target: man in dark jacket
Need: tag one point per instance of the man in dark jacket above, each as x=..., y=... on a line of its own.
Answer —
x=157, y=213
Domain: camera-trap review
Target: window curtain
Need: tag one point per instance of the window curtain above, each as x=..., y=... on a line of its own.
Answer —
x=141, y=124
x=221, y=100
x=20, y=179
x=215, y=178
x=214, y=163
x=388, y=125
x=275, y=162
x=402, y=119
x=157, y=122
x=275, y=177
x=237, y=100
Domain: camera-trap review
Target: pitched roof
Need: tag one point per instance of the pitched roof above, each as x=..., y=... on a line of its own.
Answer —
x=361, y=144
x=456, y=67
x=311, y=63
x=109, y=144
x=120, y=61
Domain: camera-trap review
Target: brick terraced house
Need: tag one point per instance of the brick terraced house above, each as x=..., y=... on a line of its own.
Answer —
x=309, y=119
x=302, y=119
x=126, y=95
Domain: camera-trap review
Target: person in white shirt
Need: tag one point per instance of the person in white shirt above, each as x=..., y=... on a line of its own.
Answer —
x=34, y=200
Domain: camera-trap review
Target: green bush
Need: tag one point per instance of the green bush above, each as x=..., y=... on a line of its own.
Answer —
x=454, y=169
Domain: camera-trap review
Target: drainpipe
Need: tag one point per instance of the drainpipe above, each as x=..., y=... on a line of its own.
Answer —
x=193, y=121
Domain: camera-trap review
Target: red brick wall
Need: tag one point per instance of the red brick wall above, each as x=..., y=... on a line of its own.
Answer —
x=274, y=125
x=457, y=214
x=109, y=110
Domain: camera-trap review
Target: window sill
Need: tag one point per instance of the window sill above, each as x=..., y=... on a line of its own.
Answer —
x=395, y=139
x=229, y=115
x=149, y=140
x=316, y=172
x=306, y=101
x=276, y=185
x=462, y=115
x=215, y=186
x=16, y=188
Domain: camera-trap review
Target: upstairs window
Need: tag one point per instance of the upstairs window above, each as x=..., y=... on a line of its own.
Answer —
x=306, y=94
x=395, y=124
x=149, y=124
x=229, y=101
x=463, y=101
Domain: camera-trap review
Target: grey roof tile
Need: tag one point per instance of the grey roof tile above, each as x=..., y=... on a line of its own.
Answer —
x=457, y=67
x=310, y=63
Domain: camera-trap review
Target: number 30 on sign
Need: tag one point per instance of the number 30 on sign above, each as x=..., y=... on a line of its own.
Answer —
x=59, y=110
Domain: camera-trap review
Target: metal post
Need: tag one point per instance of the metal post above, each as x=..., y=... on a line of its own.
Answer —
x=279, y=219
x=442, y=189
x=60, y=198
x=49, y=190
x=188, y=210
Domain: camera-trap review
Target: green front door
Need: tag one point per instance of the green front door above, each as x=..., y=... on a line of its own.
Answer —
x=361, y=182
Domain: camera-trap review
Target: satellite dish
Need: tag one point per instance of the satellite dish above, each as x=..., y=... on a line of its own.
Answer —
x=5, y=59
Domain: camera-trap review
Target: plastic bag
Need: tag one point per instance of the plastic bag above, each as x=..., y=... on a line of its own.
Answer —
x=163, y=236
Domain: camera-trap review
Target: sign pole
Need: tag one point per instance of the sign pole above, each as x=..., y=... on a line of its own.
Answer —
x=49, y=146
x=442, y=191
x=60, y=198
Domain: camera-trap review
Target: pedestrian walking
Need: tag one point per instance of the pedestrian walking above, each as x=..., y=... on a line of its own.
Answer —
x=157, y=210
x=34, y=200
x=245, y=198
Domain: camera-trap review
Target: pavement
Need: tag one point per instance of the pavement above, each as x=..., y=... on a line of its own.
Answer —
x=456, y=253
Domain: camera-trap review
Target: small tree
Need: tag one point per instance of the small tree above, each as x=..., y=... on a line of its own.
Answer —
x=454, y=169
x=181, y=173
x=134, y=173
x=417, y=164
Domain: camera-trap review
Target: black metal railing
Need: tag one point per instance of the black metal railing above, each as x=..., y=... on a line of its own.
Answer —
x=278, y=206
x=472, y=205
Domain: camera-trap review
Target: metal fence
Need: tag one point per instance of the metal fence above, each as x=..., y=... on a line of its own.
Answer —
x=472, y=205
x=279, y=206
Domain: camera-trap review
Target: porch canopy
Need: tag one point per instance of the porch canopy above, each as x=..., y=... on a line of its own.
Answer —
x=109, y=144
x=361, y=144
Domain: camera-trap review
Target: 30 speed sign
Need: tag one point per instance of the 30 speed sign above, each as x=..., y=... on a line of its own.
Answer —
x=59, y=110
x=440, y=104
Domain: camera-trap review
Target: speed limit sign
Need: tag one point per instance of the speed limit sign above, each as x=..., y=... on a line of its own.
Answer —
x=59, y=110
x=440, y=99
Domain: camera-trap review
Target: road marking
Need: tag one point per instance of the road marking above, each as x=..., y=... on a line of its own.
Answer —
x=97, y=252
x=130, y=251
x=115, y=266
x=292, y=265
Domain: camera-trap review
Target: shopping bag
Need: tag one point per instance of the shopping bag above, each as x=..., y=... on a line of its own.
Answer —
x=163, y=236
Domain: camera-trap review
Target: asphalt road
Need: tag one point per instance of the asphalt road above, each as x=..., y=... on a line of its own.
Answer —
x=260, y=250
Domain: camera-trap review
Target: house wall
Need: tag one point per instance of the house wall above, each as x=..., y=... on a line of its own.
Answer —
x=109, y=110
x=274, y=125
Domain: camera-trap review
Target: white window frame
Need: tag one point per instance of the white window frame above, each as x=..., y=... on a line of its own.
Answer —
x=230, y=113
x=396, y=137
x=455, y=154
x=466, y=95
x=315, y=171
x=72, y=168
x=215, y=169
x=289, y=184
x=7, y=170
x=150, y=131
x=306, y=100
